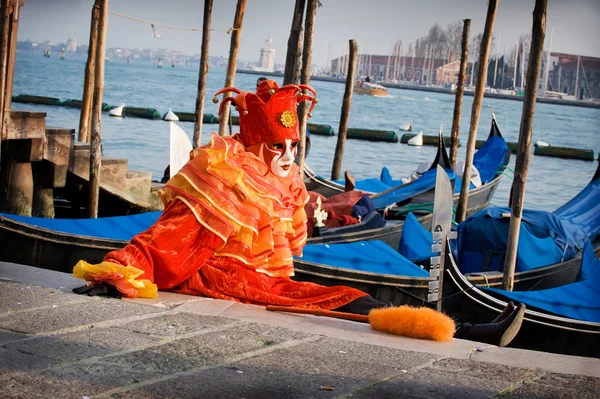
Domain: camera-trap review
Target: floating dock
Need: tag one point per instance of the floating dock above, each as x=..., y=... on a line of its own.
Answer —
x=427, y=140
x=564, y=152
x=388, y=136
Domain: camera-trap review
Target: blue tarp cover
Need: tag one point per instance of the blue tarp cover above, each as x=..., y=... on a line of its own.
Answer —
x=371, y=185
x=579, y=300
x=366, y=256
x=415, y=241
x=482, y=241
x=545, y=238
x=490, y=157
x=117, y=227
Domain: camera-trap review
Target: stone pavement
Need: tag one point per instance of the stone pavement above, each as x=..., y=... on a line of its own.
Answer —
x=55, y=344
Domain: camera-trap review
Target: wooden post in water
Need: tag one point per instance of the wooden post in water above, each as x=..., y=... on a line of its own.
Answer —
x=294, y=49
x=95, y=138
x=460, y=91
x=236, y=36
x=12, y=52
x=311, y=11
x=461, y=211
x=88, y=81
x=202, y=74
x=524, y=150
x=346, y=104
x=4, y=29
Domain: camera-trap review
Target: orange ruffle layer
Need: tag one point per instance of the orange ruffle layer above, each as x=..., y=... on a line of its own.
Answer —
x=259, y=217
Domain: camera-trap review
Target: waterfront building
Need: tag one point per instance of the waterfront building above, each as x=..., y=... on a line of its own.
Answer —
x=396, y=68
x=575, y=75
x=266, y=62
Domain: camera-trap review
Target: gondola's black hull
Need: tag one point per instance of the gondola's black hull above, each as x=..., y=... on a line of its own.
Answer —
x=29, y=245
x=540, y=330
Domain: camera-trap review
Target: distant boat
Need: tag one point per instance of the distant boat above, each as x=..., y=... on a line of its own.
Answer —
x=370, y=88
x=117, y=111
x=407, y=128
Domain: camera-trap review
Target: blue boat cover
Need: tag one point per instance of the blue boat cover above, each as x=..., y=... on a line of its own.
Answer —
x=365, y=256
x=491, y=157
x=579, y=300
x=116, y=228
x=423, y=184
x=482, y=241
x=581, y=215
x=386, y=178
x=371, y=185
x=545, y=237
x=415, y=241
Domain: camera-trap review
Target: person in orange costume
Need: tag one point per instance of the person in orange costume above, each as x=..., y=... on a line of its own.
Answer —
x=233, y=219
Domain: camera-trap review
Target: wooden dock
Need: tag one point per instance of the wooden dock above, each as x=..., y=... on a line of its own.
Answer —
x=39, y=161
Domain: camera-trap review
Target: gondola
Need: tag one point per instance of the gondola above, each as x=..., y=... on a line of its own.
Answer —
x=58, y=244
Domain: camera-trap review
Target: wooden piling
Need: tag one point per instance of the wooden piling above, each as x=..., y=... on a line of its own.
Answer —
x=524, y=151
x=346, y=104
x=460, y=91
x=236, y=36
x=311, y=11
x=484, y=47
x=88, y=81
x=202, y=74
x=95, y=140
x=4, y=29
x=12, y=52
x=290, y=74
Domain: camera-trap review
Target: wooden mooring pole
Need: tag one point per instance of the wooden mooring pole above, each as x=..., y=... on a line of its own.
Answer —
x=460, y=91
x=294, y=48
x=12, y=52
x=4, y=38
x=95, y=140
x=346, y=104
x=202, y=74
x=311, y=12
x=524, y=150
x=236, y=36
x=88, y=81
x=461, y=210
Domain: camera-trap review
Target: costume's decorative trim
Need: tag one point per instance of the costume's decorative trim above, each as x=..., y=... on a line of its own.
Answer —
x=122, y=277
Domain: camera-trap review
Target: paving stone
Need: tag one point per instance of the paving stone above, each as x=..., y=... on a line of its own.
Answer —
x=14, y=361
x=71, y=315
x=74, y=381
x=207, y=349
x=16, y=296
x=172, y=325
x=10, y=336
x=558, y=386
x=451, y=378
x=81, y=344
x=307, y=370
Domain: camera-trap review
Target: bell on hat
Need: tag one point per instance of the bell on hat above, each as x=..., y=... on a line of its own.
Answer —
x=269, y=114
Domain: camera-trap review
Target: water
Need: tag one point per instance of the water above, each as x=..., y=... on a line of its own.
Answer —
x=145, y=143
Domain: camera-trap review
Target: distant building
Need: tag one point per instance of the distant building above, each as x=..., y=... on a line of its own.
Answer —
x=395, y=68
x=266, y=62
x=71, y=45
x=448, y=73
x=575, y=75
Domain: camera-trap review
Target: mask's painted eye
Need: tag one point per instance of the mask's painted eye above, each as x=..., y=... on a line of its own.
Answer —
x=278, y=146
x=295, y=144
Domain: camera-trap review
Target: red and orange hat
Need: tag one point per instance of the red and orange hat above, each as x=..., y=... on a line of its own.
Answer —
x=270, y=113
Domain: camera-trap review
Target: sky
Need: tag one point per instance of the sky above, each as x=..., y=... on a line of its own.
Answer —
x=374, y=24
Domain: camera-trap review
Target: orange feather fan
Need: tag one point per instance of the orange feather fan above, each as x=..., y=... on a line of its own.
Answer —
x=422, y=323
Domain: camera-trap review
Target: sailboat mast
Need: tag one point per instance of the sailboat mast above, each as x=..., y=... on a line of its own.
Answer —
x=577, y=79
x=523, y=68
x=548, y=62
x=516, y=65
x=497, y=56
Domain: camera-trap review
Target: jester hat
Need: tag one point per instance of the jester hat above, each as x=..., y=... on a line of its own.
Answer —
x=269, y=114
